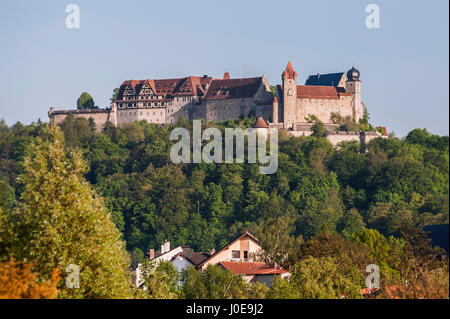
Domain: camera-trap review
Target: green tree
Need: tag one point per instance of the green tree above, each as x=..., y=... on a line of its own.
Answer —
x=161, y=280
x=6, y=195
x=213, y=283
x=85, y=101
x=316, y=278
x=61, y=221
x=278, y=243
x=113, y=97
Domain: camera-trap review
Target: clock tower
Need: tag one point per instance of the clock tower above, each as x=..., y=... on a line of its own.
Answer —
x=289, y=80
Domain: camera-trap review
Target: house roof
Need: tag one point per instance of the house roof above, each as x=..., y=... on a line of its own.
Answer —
x=330, y=79
x=191, y=85
x=260, y=123
x=233, y=88
x=320, y=92
x=251, y=268
x=289, y=73
x=245, y=232
x=194, y=257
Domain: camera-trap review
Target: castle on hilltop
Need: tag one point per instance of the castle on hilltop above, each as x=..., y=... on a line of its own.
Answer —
x=165, y=101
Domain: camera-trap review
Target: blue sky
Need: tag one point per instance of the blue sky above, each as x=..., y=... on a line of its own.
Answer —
x=404, y=64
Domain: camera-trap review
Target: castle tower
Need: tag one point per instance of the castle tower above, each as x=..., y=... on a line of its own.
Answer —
x=353, y=86
x=289, y=80
x=275, y=110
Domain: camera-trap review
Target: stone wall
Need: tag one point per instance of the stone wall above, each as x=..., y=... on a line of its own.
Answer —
x=100, y=116
x=227, y=109
x=322, y=108
x=155, y=115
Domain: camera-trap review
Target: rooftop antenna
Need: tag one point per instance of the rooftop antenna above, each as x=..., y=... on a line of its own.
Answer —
x=241, y=71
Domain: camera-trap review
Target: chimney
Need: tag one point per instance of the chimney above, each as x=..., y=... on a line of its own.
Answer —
x=167, y=246
x=163, y=250
x=212, y=252
x=151, y=254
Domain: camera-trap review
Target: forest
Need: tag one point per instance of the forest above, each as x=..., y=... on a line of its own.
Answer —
x=326, y=213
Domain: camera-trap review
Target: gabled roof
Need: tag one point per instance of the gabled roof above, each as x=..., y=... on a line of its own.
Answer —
x=195, y=258
x=330, y=79
x=191, y=85
x=251, y=268
x=233, y=88
x=245, y=233
x=319, y=92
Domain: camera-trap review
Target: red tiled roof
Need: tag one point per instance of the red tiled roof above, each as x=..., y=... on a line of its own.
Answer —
x=319, y=92
x=191, y=85
x=260, y=123
x=290, y=73
x=251, y=268
x=233, y=88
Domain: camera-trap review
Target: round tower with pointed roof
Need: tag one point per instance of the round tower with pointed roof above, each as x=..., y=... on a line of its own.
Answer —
x=275, y=110
x=289, y=78
x=353, y=86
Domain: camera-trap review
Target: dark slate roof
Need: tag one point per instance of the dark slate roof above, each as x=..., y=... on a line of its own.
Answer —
x=233, y=88
x=330, y=79
x=197, y=257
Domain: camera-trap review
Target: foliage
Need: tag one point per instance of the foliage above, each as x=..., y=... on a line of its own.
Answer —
x=213, y=283
x=17, y=281
x=161, y=280
x=316, y=278
x=367, y=198
x=278, y=244
x=61, y=221
x=85, y=101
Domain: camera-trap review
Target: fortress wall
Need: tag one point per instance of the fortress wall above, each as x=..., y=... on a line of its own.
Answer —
x=337, y=138
x=179, y=108
x=222, y=110
x=155, y=115
x=322, y=108
x=197, y=112
x=100, y=117
x=300, y=133
x=366, y=137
